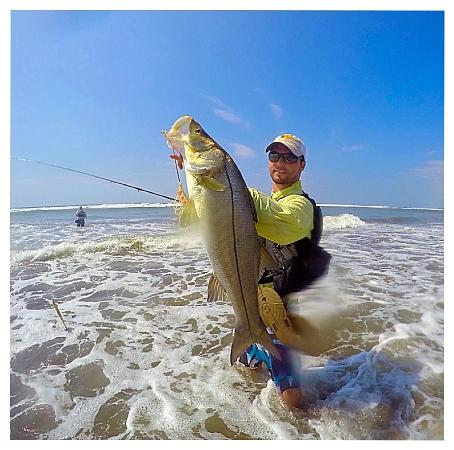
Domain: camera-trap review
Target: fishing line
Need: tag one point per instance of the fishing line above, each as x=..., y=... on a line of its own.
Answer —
x=96, y=176
x=176, y=167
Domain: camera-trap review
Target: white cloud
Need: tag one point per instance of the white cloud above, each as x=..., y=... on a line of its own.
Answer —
x=276, y=110
x=242, y=150
x=216, y=101
x=227, y=115
x=429, y=169
x=353, y=148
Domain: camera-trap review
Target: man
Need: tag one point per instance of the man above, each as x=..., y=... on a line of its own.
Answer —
x=285, y=218
x=81, y=215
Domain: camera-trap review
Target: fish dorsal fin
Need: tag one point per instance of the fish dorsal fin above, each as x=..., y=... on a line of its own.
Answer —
x=216, y=293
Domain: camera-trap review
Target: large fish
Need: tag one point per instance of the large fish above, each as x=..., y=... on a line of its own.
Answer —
x=227, y=218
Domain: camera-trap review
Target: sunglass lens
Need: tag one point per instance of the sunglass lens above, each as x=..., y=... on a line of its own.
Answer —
x=288, y=158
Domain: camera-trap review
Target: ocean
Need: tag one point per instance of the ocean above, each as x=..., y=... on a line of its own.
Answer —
x=144, y=356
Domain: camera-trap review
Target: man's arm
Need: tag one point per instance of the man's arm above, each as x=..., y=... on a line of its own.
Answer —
x=283, y=222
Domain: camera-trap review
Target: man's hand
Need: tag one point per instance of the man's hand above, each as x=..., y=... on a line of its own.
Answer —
x=179, y=159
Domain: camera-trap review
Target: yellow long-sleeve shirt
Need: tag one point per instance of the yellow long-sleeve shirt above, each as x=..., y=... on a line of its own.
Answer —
x=286, y=216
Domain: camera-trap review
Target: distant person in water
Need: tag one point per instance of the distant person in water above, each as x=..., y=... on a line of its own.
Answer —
x=80, y=217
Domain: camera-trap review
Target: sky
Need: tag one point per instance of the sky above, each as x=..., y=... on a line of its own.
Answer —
x=92, y=90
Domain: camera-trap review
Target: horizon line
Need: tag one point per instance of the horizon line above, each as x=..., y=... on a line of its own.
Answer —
x=168, y=204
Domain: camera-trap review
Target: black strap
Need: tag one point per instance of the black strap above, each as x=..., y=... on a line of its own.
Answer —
x=317, y=230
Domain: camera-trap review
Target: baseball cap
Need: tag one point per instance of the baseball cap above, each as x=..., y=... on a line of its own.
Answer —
x=293, y=143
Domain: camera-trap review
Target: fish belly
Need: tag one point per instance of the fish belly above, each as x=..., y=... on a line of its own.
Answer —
x=233, y=247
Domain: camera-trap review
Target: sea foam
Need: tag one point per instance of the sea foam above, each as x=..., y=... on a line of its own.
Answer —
x=341, y=222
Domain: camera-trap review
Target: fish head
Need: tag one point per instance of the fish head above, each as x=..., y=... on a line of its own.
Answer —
x=187, y=134
x=197, y=139
x=175, y=137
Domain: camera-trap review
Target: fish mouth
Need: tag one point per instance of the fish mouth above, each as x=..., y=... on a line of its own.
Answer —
x=175, y=136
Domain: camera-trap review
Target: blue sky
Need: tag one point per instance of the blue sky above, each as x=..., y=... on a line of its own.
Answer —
x=92, y=90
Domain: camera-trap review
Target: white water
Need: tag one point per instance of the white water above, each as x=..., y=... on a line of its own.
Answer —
x=147, y=357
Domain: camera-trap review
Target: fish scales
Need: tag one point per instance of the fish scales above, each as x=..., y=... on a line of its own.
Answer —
x=224, y=209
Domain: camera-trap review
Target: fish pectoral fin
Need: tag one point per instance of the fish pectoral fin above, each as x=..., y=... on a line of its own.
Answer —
x=216, y=293
x=209, y=183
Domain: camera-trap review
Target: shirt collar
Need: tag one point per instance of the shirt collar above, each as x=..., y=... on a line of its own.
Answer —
x=295, y=188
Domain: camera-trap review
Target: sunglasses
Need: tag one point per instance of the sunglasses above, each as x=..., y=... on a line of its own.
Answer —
x=288, y=158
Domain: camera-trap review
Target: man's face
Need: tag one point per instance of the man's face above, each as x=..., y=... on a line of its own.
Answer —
x=284, y=174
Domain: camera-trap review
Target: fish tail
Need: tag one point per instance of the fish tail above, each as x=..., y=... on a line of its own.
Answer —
x=264, y=339
x=242, y=341
x=239, y=345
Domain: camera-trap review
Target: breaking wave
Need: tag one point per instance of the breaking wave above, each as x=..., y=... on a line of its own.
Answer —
x=140, y=240
x=341, y=222
x=114, y=246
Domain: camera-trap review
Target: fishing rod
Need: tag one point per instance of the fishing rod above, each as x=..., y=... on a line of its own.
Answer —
x=95, y=176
